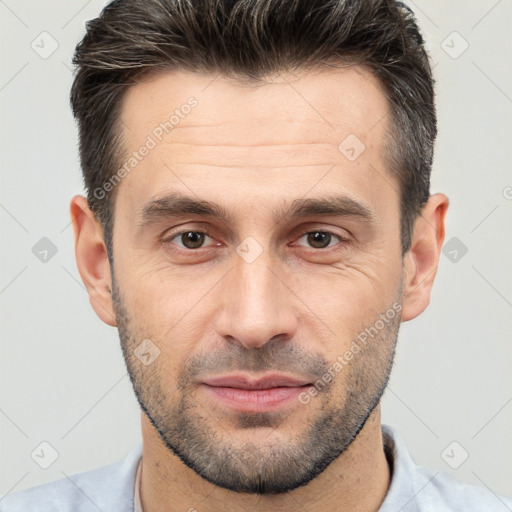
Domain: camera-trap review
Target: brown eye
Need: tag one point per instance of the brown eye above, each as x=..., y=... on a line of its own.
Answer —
x=192, y=239
x=320, y=239
x=189, y=239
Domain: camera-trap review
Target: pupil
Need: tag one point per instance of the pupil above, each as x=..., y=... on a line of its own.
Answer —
x=317, y=239
x=192, y=239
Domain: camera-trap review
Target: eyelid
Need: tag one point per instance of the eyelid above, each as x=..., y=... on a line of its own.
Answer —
x=186, y=227
x=342, y=233
x=170, y=235
x=324, y=227
x=342, y=239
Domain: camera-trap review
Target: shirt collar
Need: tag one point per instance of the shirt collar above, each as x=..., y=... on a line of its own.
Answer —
x=136, y=500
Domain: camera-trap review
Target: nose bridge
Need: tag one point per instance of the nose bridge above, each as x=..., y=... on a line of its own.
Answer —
x=256, y=304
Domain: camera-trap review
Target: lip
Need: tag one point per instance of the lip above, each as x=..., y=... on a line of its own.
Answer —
x=240, y=381
x=249, y=394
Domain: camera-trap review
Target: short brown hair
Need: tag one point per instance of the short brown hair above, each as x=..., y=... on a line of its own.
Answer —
x=249, y=40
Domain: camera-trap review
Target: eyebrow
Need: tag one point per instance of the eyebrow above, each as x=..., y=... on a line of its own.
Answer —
x=178, y=205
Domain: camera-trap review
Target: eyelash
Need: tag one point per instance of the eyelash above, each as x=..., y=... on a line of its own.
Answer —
x=208, y=233
x=203, y=231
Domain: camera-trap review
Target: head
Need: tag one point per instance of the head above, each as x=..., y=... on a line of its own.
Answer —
x=257, y=178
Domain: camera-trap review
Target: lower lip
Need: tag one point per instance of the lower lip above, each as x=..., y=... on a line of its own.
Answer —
x=255, y=400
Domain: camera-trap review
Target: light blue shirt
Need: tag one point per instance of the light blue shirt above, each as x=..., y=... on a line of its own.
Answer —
x=112, y=488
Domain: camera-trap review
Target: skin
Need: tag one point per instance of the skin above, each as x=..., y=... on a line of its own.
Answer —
x=295, y=308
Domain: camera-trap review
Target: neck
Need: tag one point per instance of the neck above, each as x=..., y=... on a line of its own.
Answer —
x=357, y=480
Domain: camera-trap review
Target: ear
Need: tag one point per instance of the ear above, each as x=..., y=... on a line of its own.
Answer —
x=422, y=259
x=91, y=259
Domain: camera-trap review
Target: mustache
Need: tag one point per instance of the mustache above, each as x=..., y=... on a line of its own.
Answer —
x=269, y=357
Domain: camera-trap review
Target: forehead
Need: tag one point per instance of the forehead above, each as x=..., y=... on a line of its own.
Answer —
x=209, y=129
x=329, y=101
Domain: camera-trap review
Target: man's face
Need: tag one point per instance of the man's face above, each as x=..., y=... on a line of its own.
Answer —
x=272, y=288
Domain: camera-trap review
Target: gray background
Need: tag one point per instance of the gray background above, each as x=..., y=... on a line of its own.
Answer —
x=62, y=376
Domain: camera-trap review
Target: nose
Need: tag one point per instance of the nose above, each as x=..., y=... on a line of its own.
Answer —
x=256, y=305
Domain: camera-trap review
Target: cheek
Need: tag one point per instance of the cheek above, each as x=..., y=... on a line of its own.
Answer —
x=350, y=294
x=169, y=308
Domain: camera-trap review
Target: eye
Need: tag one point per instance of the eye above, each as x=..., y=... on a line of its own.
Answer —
x=321, y=239
x=192, y=240
x=189, y=239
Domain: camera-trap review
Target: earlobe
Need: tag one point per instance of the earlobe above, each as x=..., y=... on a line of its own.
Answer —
x=421, y=261
x=91, y=259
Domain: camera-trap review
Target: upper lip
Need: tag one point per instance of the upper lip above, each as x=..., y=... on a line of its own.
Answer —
x=240, y=381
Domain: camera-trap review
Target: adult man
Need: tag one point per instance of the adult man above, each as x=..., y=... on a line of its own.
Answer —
x=258, y=223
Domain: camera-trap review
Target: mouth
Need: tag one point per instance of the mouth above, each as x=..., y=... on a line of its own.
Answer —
x=249, y=394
